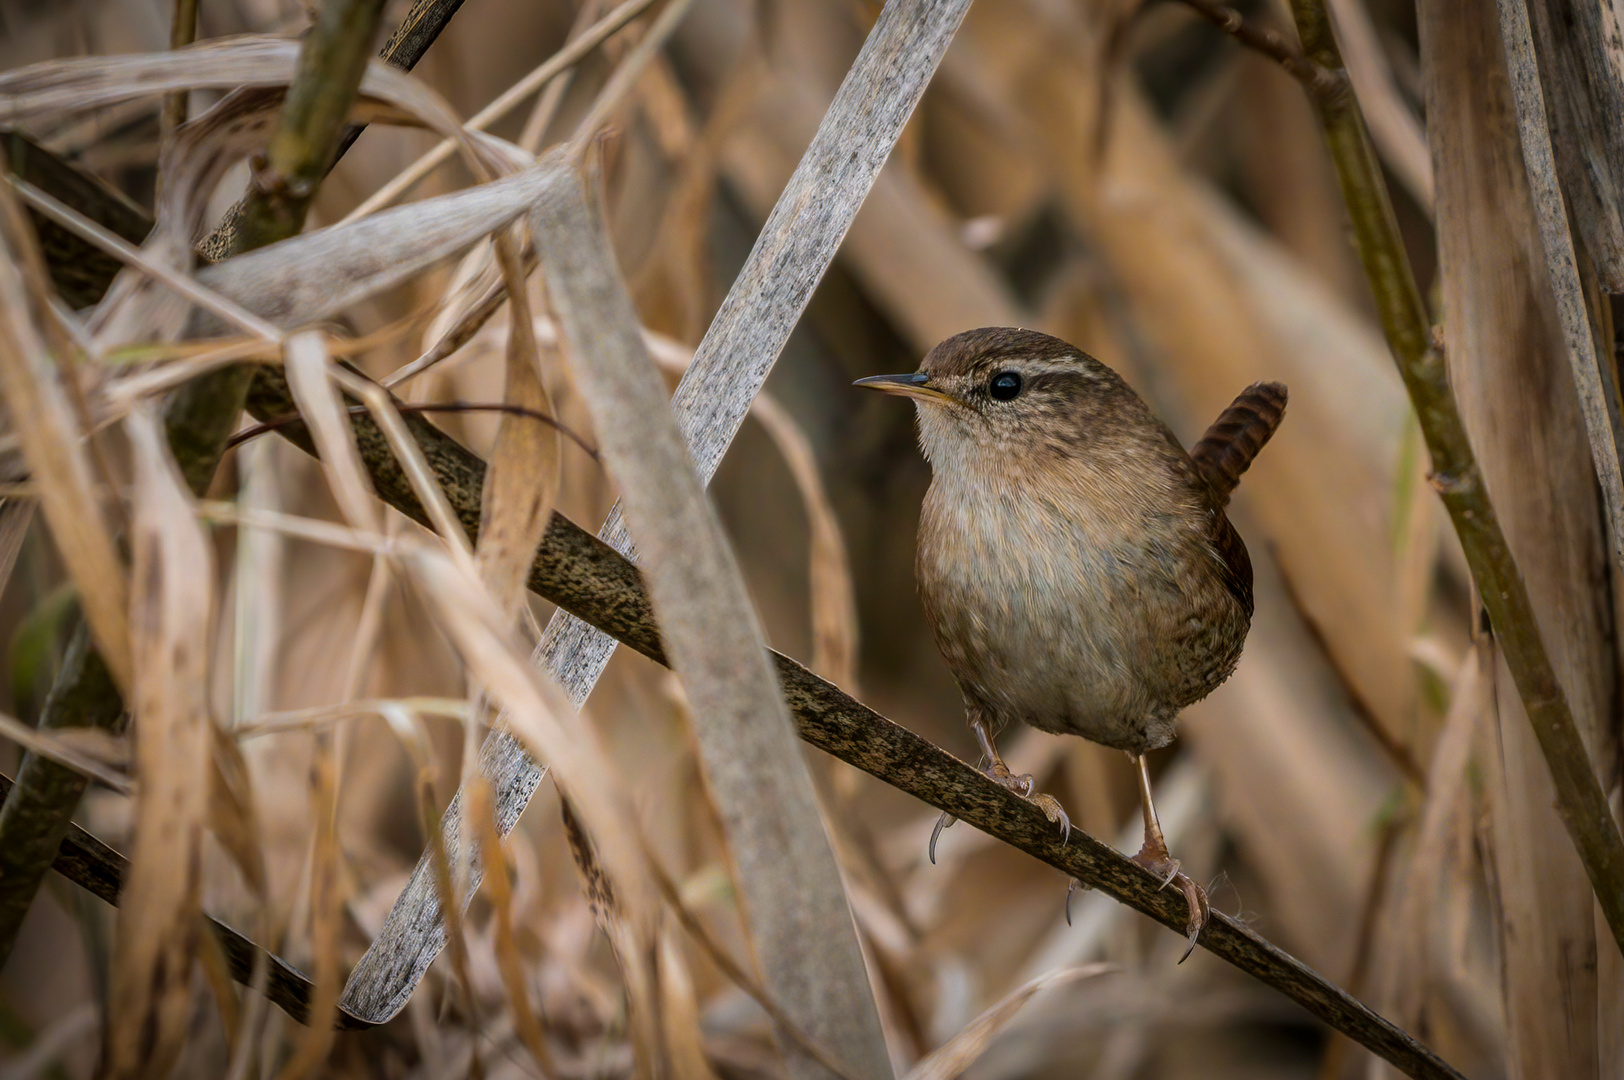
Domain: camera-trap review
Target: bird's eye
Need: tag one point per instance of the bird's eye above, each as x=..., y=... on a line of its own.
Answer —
x=1005, y=386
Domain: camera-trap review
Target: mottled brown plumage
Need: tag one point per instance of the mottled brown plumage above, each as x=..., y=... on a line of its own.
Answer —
x=1076, y=564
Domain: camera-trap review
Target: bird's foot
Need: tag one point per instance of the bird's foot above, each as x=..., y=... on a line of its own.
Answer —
x=1023, y=785
x=1155, y=858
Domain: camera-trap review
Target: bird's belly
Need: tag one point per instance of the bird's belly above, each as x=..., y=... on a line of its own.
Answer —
x=1072, y=633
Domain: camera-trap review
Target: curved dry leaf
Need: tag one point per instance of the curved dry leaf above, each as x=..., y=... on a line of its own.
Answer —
x=194, y=161
x=485, y=639
x=788, y=880
x=961, y=1051
x=53, y=445
x=314, y=276
x=171, y=619
x=491, y=855
x=305, y=361
x=521, y=480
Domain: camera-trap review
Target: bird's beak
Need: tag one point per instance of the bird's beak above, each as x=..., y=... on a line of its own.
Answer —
x=916, y=385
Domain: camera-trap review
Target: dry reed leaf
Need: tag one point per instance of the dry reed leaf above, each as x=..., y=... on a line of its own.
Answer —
x=305, y=362
x=232, y=817
x=522, y=477
x=788, y=881
x=314, y=276
x=559, y=63
x=679, y=1008
x=410, y=455
x=315, y=1042
x=833, y=596
x=481, y=812
x=795, y=248
x=53, y=446
x=1504, y=334
x=532, y=707
x=950, y=1060
x=63, y=749
x=183, y=286
x=194, y=161
x=1413, y=966
x=1595, y=380
x=442, y=858
x=302, y=719
x=1394, y=127
x=171, y=617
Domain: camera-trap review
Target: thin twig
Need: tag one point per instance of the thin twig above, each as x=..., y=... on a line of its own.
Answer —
x=182, y=32
x=279, y=422
x=1323, y=83
x=1580, y=801
x=331, y=63
x=549, y=69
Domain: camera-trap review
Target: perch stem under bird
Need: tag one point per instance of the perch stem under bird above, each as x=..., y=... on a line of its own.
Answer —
x=1076, y=565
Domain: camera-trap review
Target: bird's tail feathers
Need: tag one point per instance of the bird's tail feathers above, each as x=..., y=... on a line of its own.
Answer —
x=1235, y=438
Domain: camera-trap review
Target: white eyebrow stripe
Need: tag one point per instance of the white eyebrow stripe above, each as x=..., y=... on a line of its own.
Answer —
x=1070, y=365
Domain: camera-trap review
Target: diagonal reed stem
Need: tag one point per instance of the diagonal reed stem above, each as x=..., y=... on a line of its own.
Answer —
x=1420, y=358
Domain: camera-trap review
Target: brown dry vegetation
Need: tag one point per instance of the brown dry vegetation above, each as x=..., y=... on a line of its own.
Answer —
x=311, y=672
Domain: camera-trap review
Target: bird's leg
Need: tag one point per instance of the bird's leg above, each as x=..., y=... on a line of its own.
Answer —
x=1154, y=856
x=1021, y=785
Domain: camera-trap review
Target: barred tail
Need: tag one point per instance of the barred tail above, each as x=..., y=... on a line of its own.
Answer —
x=1235, y=438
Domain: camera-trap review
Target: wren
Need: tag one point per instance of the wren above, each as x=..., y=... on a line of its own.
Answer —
x=1076, y=565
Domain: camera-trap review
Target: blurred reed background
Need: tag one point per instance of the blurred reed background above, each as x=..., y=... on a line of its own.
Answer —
x=1363, y=791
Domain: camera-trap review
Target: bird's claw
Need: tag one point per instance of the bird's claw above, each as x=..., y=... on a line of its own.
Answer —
x=941, y=823
x=1195, y=898
x=1023, y=786
x=1054, y=812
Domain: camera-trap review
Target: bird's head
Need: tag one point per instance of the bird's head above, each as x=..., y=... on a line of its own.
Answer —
x=1004, y=394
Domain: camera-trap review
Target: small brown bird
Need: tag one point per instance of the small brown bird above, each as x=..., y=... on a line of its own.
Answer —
x=1076, y=565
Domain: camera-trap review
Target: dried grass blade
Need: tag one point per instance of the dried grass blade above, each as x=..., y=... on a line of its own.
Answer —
x=960, y=1052
x=483, y=636
x=232, y=817
x=789, y=883
x=305, y=361
x=1596, y=382
x=172, y=618
x=59, y=748
x=800, y=239
x=521, y=482
x=559, y=62
x=315, y=1042
x=43, y=421
x=833, y=595
x=413, y=735
x=316, y=275
x=679, y=1007
x=496, y=883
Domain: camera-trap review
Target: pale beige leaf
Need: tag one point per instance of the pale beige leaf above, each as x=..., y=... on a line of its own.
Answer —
x=521, y=480
x=171, y=616
x=532, y=707
x=961, y=1051
x=306, y=364
x=53, y=446
x=788, y=880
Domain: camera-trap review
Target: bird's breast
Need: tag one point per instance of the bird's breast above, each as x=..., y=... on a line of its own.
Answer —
x=1064, y=613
